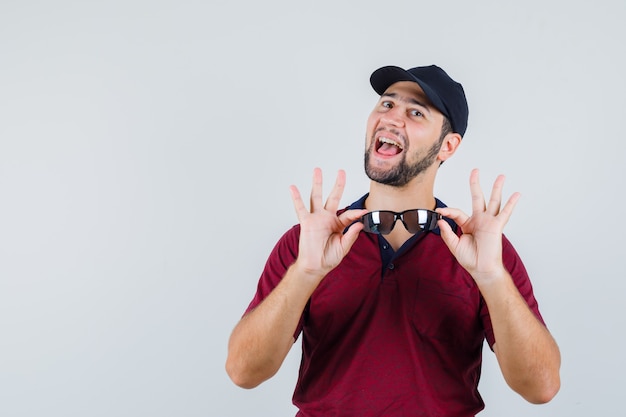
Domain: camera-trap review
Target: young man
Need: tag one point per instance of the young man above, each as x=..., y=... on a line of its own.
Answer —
x=395, y=295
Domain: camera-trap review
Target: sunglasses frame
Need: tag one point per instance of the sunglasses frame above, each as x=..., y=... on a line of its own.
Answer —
x=371, y=226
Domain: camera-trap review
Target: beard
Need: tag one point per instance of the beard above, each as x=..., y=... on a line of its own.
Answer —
x=402, y=173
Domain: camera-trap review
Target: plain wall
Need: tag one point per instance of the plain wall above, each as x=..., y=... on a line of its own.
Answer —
x=147, y=147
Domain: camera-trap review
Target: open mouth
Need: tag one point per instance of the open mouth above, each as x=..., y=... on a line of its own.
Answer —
x=387, y=146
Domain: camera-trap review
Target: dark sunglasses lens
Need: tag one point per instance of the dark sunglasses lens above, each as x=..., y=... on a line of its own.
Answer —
x=380, y=222
x=419, y=220
x=412, y=221
x=431, y=222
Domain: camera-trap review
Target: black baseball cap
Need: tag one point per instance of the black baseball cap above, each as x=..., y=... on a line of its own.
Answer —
x=444, y=93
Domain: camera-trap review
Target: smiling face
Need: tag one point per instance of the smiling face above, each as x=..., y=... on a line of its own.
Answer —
x=403, y=135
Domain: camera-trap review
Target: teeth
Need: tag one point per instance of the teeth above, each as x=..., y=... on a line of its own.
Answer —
x=384, y=139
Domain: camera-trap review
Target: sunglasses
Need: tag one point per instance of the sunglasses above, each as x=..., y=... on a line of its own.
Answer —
x=382, y=221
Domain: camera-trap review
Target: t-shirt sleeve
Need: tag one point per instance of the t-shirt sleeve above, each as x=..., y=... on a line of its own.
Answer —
x=280, y=259
x=516, y=268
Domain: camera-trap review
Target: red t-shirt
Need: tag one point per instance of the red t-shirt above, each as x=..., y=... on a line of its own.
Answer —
x=406, y=341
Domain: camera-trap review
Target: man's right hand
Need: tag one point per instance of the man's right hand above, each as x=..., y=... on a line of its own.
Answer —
x=323, y=243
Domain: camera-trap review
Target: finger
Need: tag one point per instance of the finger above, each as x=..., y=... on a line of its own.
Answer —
x=495, y=200
x=350, y=236
x=449, y=237
x=350, y=216
x=335, y=195
x=478, y=199
x=297, y=202
x=316, y=191
x=507, y=210
x=458, y=216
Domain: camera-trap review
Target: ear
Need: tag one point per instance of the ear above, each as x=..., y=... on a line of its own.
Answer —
x=449, y=146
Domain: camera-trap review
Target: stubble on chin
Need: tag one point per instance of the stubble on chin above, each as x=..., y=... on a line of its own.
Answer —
x=385, y=175
x=403, y=171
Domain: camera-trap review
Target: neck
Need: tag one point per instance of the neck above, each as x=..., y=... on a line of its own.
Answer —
x=419, y=193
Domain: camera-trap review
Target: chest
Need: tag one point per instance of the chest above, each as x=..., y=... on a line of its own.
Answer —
x=424, y=292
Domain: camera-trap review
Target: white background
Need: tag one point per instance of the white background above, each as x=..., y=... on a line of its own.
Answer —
x=147, y=147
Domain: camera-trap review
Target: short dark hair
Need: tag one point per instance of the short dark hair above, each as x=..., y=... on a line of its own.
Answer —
x=446, y=127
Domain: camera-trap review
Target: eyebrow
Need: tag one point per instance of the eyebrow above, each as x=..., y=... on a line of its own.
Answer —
x=411, y=100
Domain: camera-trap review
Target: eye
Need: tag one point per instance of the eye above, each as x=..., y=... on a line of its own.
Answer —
x=387, y=104
x=417, y=113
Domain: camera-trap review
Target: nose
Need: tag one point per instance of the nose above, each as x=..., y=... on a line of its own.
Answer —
x=394, y=116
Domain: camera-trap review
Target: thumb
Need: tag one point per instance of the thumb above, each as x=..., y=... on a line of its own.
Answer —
x=447, y=235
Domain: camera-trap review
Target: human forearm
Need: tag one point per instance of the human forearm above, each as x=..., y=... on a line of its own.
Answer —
x=527, y=353
x=263, y=337
x=261, y=340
